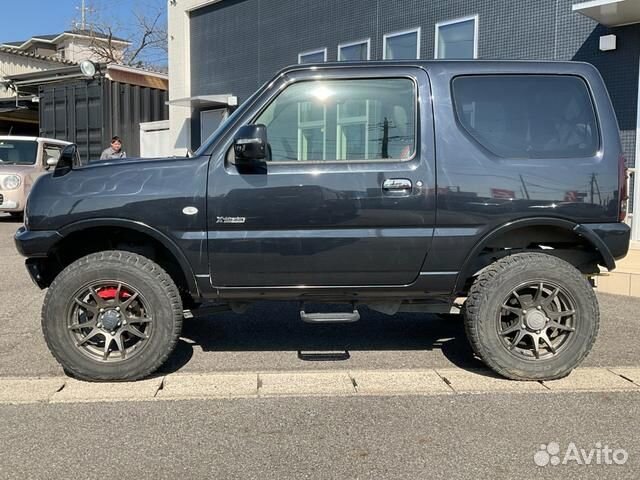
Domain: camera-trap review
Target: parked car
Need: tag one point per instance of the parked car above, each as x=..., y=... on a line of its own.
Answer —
x=401, y=186
x=22, y=161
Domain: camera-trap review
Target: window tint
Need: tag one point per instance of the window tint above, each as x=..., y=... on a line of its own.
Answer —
x=401, y=46
x=342, y=120
x=354, y=52
x=456, y=40
x=532, y=116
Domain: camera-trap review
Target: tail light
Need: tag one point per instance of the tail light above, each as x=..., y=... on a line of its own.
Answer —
x=623, y=193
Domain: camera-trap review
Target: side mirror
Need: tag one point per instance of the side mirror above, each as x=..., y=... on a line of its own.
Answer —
x=52, y=162
x=250, y=143
x=68, y=159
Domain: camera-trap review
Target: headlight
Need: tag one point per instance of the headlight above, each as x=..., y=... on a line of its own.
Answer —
x=11, y=182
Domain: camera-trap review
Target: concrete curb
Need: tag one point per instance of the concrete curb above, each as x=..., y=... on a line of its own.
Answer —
x=446, y=381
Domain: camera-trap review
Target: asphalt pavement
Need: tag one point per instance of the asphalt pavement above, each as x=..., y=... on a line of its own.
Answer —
x=465, y=437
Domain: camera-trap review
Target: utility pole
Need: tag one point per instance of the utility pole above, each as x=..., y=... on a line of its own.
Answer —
x=595, y=188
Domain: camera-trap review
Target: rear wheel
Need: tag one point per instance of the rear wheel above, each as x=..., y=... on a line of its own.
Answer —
x=532, y=316
x=112, y=316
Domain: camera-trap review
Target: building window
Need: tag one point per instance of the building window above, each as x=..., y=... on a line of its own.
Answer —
x=402, y=45
x=354, y=51
x=315, y=56
x=343, y=120
x=528, y=116
x=61, y=53
x=457, y=38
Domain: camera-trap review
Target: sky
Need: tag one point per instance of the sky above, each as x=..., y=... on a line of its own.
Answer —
x=22, y=19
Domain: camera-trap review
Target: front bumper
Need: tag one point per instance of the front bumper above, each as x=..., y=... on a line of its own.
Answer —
x=34, y=244
x=11, y=200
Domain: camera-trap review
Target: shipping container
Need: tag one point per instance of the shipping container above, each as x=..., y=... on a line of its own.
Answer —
x=89, y=113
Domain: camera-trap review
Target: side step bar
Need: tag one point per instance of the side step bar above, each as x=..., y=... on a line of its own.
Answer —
x=329, y=317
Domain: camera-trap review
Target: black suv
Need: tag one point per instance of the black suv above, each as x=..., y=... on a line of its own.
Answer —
x=400, y=186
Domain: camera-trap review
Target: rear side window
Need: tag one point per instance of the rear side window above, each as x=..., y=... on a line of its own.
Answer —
x=528, y=116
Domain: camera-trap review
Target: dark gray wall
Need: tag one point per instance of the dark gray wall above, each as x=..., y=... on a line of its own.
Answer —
x=236, y=45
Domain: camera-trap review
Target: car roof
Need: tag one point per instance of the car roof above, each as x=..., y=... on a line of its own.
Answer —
x=459, y=66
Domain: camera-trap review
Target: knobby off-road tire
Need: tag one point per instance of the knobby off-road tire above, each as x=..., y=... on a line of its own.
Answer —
x=493, y=329
x=117, y=297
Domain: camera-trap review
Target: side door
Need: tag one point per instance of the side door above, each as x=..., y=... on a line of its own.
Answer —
x=346, y=197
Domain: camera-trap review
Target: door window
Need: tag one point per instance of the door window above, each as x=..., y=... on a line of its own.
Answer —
x=343, y=120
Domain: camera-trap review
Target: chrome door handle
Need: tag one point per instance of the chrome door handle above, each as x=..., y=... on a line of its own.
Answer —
x=397, y=184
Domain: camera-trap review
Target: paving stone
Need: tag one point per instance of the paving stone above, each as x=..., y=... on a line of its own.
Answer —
x=591, y=379
x=485, y=381
x=221, y=385
x=398, y=382
x=632, y=373
x=305, y=384
x=615, y=282
x=29, y=390
x=77, y=391
x=635, y=284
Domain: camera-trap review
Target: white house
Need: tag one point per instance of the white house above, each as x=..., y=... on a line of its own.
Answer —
x=74, y=46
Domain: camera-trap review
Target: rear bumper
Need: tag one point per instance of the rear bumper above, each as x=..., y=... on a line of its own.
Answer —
x=611, y=239
x=34, y=244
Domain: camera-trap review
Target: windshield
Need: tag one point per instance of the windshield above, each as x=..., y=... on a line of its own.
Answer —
x=18, y=152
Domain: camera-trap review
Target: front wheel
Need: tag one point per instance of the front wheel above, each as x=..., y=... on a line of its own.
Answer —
x=112, y=316
x=531, y=316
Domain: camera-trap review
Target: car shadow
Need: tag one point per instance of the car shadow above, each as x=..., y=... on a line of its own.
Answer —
x=277, y=327
x=6, y=218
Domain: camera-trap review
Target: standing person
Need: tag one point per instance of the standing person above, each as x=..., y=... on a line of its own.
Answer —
x=114, y=151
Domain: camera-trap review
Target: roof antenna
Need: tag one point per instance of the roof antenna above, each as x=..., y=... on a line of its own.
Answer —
x=10, y=130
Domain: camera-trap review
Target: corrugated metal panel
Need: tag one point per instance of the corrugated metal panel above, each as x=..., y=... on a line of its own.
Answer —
x=73, y=112
x=90, y=113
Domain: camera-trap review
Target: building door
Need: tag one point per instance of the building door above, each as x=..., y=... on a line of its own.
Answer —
x=346, y=197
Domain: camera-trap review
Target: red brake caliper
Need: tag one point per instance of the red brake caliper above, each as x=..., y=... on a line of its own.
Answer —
x=109, y=293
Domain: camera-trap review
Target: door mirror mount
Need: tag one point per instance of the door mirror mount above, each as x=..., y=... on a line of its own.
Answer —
x=250, y=144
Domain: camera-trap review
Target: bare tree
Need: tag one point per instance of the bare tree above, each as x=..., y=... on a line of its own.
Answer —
x=145, y=39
